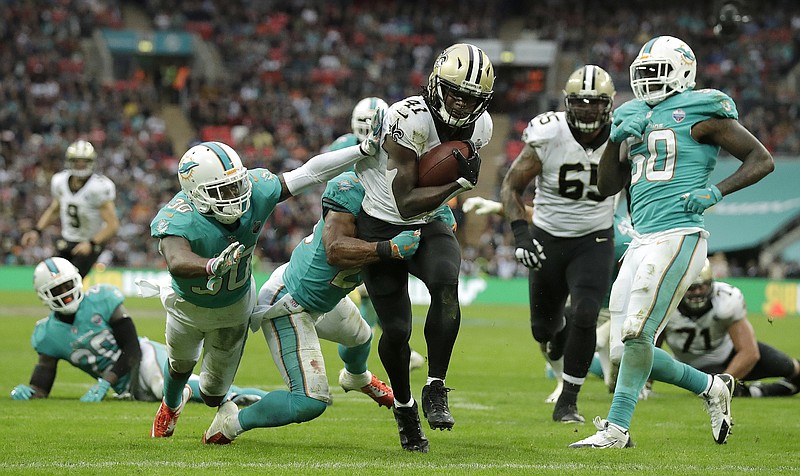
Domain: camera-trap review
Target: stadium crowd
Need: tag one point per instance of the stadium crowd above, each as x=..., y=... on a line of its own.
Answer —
x=294, y=70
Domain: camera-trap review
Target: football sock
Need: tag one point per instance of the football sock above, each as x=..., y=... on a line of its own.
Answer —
x=637, y=361
x=667, y=369
x=431, y=379
x=596, y=366
x=408, y=404
x=173, y=388
x=355, y=358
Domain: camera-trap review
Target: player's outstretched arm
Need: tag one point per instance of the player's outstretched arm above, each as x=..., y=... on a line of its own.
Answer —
x=344, y=250
x=746, y=345
x=31, y=237
x=524, y=169
x=325, y=166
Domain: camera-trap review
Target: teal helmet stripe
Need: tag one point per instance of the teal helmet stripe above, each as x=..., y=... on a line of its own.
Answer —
x=227, y=164
x=51, y=265
x=649, y=45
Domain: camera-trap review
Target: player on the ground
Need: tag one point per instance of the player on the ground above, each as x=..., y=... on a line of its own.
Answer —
x=207, y=234
x=92, y=330
x=84, y=201
x=709, y=331
x=572, y=227
x=451, y=107
x=308, y=300
x=665, y=144
x=359, y=123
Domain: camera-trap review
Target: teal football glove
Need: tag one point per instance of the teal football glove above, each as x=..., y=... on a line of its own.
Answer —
x=22, y=392
x=701, y=199
x=97, y=392
x=405, y=244
x=632, y=126
x=444, y=214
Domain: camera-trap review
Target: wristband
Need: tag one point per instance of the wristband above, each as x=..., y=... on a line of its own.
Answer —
x=384, y=249
x=209, y=263
x=522, y=233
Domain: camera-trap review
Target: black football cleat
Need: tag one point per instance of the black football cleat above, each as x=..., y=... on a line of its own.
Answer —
x=434, y=406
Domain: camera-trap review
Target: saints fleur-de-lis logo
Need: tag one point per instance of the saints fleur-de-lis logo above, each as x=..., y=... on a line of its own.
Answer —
x=395, y=131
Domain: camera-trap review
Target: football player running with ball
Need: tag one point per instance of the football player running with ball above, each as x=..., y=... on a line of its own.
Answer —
x=451, y=107
x=84, y=201
x=207, y=234
x=572, y=227
x=665, y=144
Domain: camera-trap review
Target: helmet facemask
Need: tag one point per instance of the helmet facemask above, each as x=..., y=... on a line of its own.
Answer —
x=227, y=199
x=59, y=285
x=697, y=299
x=461, y=85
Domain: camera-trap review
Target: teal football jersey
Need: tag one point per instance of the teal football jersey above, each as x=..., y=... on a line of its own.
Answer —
x=88, y=342
x=208, y=238
x=346, y=140
x=668, y=162
x=311, y=281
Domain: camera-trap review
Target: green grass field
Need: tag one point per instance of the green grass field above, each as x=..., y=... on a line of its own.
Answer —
x=502, y=426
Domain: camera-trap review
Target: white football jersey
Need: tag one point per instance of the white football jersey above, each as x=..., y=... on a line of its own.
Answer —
x=705, y=340
x=410, y=123
x=80, y=211
x=566, y=202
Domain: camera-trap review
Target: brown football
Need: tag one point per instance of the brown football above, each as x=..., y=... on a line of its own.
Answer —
x=439, y=166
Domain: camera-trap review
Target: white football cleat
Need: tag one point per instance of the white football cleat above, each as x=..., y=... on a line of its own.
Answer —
x=608, y=435
x=553, y=397
x=718, y=406
x=216, y=433
x=416, y=361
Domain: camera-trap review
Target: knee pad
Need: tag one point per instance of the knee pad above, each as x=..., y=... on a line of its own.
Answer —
x=306, y=408
x=584, y=313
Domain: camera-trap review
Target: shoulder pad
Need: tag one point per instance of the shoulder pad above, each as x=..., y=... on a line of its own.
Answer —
x=345, y=190
x=728, y=302
x=709, y=102
x=543, y=128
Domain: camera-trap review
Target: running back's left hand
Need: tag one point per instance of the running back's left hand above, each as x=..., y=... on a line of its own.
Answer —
x=371, y=145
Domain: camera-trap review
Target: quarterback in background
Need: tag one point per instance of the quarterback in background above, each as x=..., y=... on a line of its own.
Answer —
x=451, y=107
x=709, y=331
x=665, y=144
x=84, y=202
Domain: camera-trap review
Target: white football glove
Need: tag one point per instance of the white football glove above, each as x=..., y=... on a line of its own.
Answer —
x=372, y=143
x=482, y=206
x=531, y=258
x=216, y=267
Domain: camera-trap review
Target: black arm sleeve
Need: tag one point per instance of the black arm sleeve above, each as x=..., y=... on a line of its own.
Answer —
x=124, y=332
x=42, y=379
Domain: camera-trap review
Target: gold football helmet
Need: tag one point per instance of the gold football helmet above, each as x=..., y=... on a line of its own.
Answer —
x=589, y=98
x=460, y=85
x=698, y=295
x=81, y=150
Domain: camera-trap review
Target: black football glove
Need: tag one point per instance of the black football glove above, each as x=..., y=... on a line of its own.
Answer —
x=529, y=251
x=469, y=167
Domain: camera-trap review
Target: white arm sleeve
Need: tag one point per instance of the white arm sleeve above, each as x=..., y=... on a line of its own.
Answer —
x=321, y=168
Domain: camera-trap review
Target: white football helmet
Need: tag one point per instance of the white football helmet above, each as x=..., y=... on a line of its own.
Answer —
x=362, y=115
x=463, y=71
x=589, y=97
x=698, y=295
x=81, y=150
x=59, y=285
x=213, y=177
x=665, y=66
